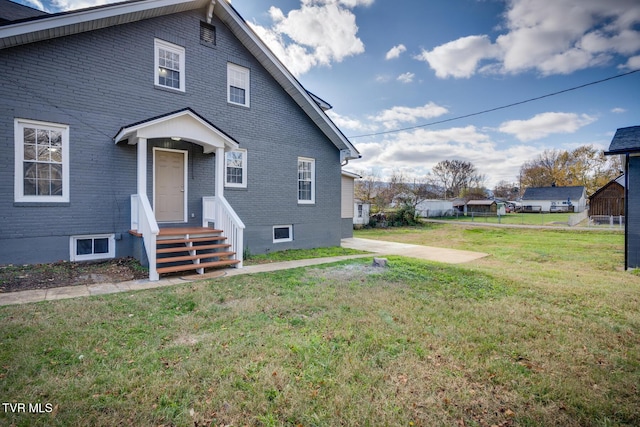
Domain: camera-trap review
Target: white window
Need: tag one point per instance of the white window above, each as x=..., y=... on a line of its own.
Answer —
x=306, y=180
x=99, y=246
x=169, y=65
x=41, y=161
x=359, y=211
x=282, y=233
x=236, y=168
x=238, y=85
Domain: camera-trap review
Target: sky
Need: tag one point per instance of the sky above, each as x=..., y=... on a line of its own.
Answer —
x=410, y=80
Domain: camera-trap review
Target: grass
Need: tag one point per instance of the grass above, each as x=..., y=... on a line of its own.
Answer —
x=297, y=254
x=545, y=219
x=545, y=331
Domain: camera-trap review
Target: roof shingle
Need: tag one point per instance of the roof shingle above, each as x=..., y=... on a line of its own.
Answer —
x=626, y=140
x=554, y=193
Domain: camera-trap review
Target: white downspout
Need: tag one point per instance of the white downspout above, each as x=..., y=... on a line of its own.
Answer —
x=210, y=11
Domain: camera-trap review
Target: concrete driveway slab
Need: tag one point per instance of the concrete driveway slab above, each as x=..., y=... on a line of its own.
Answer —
x=429, y=253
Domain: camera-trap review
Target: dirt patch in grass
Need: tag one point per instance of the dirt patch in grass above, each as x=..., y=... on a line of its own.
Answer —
x=63, y=273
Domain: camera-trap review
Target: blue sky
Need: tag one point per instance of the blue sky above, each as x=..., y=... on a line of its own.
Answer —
x=387, y=66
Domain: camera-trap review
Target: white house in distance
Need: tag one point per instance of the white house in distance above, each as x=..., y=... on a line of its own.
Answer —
x=434, y=208
x=554, y=199
x=354, y=211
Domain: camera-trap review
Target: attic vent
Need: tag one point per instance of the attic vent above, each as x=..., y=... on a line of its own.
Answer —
x=207, y=34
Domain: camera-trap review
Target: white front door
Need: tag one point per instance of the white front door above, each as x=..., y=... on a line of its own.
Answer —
x=169, y=185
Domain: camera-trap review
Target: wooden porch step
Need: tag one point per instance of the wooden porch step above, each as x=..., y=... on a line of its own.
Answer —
x=194, y=240
x=189, y=267
x=194, y=257
x=183, y=231
x=191, y=248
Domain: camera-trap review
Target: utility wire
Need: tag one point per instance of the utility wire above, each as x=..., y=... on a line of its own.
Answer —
x=496, y=108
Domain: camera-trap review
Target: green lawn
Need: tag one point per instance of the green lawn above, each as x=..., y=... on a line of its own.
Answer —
x=545, y=331
x=546, y=219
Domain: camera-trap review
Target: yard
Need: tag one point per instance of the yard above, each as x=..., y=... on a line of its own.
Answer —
x=545, y=331
x=544, y=218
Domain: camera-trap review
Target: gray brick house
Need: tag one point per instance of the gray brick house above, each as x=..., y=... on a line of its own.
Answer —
x=131, y=128
x=626, y=143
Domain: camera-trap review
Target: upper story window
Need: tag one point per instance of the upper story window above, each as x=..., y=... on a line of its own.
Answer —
x=169, y=65
x=236, y=168
x=306, y=180
x=41, y=161
x=238, y=84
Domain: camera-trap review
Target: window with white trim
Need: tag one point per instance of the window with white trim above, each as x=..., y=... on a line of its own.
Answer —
x=92, y=247
x=306, y=180
x=236, y=168
x=169, y=65
x=41, y=161
x=282, y=233
x=238, y=84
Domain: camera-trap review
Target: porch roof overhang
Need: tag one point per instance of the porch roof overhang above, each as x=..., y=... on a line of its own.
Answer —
x=184, y=125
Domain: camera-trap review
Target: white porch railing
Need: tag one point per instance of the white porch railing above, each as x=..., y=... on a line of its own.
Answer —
x=217, y=210
x=144, y=222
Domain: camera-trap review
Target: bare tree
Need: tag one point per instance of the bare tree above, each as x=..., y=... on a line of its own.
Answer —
x=506, y=190
x=455, y=176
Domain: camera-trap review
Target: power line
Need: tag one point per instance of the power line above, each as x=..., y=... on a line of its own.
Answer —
x=496, y=108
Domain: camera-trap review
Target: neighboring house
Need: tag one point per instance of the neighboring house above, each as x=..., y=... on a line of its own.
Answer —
x=482, y=206
x=129, y=129
x=434, y=208
x=554, y=199
x=608, y=200
x=626, y=142
x=362, y=211
x=349, y=209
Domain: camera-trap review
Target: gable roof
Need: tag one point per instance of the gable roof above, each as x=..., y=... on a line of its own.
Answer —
x=11, y=12
x=66, y=23
x=554, y=193
x=626, y=140
x=182, y=124
x=619, y=181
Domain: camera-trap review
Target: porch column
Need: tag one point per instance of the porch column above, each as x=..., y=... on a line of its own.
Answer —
x=142, y=166
x=220, y=172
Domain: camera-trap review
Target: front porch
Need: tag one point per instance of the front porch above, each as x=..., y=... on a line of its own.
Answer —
x=181, y=245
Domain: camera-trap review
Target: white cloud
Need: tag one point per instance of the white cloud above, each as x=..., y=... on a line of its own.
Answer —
x=392, y=117
x=345, y=122
x=633, y=63
x=395, y=52
x=544, y=124
x=383, y=78
x=320, y=33
x=550, y=36
x=459, y=58
x=618, y=110
x=416, y=152
x=406, y=77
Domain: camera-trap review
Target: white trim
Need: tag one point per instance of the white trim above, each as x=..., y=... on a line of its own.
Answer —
x=242, y=184
x=173, y=48
x=73, y=241
x=184, y=124
x=19, y=126
x=287, y=239
x=313, y=181
x=185, y=154
x=245, y=73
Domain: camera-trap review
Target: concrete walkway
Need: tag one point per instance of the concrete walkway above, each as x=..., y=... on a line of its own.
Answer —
x=429, y=253
x=376, y=247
